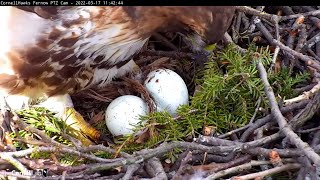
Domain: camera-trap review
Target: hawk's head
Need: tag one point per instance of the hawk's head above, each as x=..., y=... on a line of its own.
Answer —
x=204, y=24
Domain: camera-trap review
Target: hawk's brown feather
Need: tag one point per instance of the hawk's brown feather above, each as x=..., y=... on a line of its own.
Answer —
x=60, y=50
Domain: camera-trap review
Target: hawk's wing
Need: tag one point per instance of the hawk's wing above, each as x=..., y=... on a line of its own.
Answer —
x=63, y=49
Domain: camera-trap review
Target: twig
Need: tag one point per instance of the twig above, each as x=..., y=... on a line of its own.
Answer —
x=275, y=170
x=239, y=145
x=305, y=88
x=309, y=168
x=214, y=141
x=199, y=156
x=56, y=149
x=236, y=169
x=307, y=113
x=248, y=10
x=254, y=151
x=305, y=95
x=92, y=148
x=308, y=130
x=14, y=162
x=253, y=25
x=235, y=162
x=156, y=169
x=311, y=42
x=130, y=171
x=183, y=164
x=284, y=127
x=307, y=59
x=228, y=38
x=268, y=118
x=179, y=160
x=311, y=13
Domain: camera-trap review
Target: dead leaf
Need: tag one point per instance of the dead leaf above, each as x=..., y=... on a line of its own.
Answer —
x=209, y=130
x=97, y=118
x=275, y=158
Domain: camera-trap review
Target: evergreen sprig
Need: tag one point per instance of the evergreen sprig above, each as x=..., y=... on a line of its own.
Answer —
x=229, y=88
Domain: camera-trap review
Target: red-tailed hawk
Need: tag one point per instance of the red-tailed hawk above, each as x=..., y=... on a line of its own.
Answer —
x=55, y=51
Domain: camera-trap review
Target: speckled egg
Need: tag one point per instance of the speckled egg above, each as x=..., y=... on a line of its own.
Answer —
x=168, y=90
x=123, y=114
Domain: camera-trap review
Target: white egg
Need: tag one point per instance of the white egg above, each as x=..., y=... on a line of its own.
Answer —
x=124, y=113
x=167, y=89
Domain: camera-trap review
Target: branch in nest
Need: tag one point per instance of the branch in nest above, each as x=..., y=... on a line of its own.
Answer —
x=223, y=166
x=283, y=125
x=183, y=166
x=272, y=171
x=306, y=95
x=155, y=169
x=237, y=169
x=307, y=113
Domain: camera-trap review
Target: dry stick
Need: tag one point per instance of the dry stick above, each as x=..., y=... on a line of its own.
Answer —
x=260, y=122
x=284, y=126
x=307, y=59
x=275, y=170
x=311, y=42
x=102, y=148
x=310, y=169
x=239, y=145
x=260, y=157
x=178, y=162
x=143, y=155
x=306, y=95
x=277, y=50
x=14, y=162
x=302, y=38
x=57, y=149
x=131, y=169
x=230, y=164
x=313, y=54
x=272, y=17
x=154, y=165
x=307, y=113
x=215, y=141
x=51, y=166
x=183, y=165
x=229, y=40
x=251, y=11
x=254, y=151
x=236, y=169
x=311, y=13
